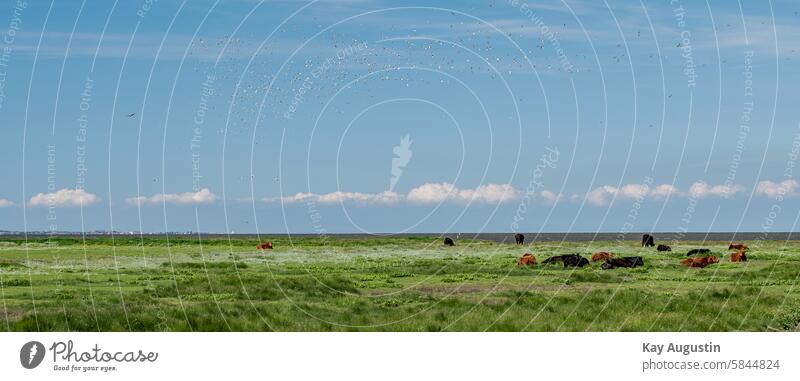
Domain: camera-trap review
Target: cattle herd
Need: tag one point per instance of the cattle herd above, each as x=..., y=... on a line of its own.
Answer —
x=701, y=260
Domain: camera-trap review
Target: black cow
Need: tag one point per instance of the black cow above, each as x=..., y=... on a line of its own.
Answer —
x=554, y=259
x=663, y=248
x=449, y=241
x=575, y=260
x=697, y=251
x=568, y=260
x=519, y=239
x=647, y=241
x=622, y=262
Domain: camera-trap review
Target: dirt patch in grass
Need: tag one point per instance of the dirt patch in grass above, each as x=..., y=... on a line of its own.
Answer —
x=15, y=314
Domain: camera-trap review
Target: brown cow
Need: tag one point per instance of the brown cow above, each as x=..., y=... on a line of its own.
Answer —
x=737, y=246
x=526, y=259
x=601, y=256
x=265, y=246
x=738, y=256
x=699, y=262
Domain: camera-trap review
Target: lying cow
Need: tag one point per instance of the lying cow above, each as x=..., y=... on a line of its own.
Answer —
x=449, y=241
x=699, y=262
x=601, y=256
x=568, y=260
x=265, y=246
x=554, y=259
x=575, y=260
x=738, y=256
x=526, y=259
x=663, y=248
x=697, y=251
x=622, y=262
x=738, y=246
x=519, y=239
x=647, y=241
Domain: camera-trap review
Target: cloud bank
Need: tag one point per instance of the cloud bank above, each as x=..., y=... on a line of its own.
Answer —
x=383, y=198
x=702, y=190
x=435, y=193
x=426, y=194
x=774, y=190
x=204, y=196
x=64, y=198
x=602, y=195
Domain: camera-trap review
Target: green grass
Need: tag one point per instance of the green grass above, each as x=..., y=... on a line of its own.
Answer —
x=384, y=284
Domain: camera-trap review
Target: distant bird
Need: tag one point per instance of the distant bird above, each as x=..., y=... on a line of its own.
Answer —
x=276, y=179
x=130, y=115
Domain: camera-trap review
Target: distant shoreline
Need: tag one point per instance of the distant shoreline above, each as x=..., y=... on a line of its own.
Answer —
x=496, y=237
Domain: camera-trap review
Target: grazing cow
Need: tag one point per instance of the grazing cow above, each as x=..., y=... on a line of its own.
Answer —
x=265, y=246
x=738, y=246
x=526, y=259
x=519, y=239
x=697, y=251
x=622, y=262
x=699, y=262
x=449, y=241
x=663, y=248
x=739, y=256
x=601, y=256
x=647, y=241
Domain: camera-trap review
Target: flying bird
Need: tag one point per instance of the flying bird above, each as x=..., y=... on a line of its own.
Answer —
x=130, y=115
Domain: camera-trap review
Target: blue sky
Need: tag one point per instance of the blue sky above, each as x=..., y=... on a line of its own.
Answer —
x=276, y=116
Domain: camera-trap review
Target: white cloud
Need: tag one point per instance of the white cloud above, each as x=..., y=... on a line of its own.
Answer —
x=551, y=197
x=204, y=196
x=5, y=203
x=663, y=191
x=432, y=193
x=338, y=197
x=64, y=198
x=773, y=189
x=602, y=195
x=702, y=190
x=635, y=191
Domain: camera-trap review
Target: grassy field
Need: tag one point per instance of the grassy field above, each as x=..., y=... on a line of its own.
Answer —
x=396, y=284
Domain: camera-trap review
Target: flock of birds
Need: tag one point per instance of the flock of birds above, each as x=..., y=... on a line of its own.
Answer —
x=255, y=82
